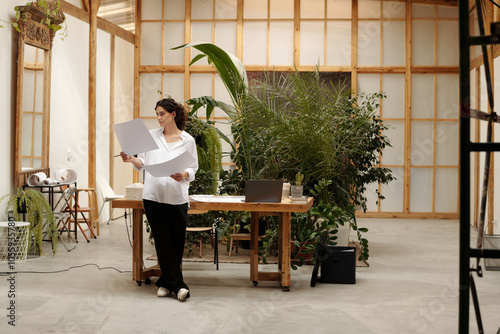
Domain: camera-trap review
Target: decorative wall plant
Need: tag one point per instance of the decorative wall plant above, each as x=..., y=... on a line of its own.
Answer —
x=46, y=13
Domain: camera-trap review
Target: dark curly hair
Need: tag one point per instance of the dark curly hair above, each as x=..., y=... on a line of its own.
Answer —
x=171, y=105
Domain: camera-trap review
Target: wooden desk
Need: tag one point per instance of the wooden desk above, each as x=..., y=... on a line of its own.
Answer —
x=283, y=210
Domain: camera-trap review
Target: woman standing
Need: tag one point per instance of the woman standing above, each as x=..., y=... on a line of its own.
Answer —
x=165, y=199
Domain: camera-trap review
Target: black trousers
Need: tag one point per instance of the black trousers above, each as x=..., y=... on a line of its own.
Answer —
x=168, y=224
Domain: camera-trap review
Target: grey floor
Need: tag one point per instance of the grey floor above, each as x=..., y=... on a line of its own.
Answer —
x=411, y=286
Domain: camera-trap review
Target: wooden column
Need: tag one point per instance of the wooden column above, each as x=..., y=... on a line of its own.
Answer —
x=187, y=51
x=407, y=121
x=93, y=8
x=112, y=110
x=137, y=62
x=354, y=46
x=296, y=33
x=239, y=30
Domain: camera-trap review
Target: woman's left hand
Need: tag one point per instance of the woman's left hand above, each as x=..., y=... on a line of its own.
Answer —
x=178, y=176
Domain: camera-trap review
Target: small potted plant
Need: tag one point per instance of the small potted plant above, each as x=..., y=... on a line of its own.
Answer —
x=297, y=189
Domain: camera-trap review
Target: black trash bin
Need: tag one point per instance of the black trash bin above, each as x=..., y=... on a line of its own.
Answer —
x=338, y=265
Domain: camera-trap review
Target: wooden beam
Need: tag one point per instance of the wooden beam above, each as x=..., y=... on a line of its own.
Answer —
x=296, y=32
x=19, y=109
x=407, y=112
x=187, y=51
x=112, y=110
x=102, y=24
x=257, y=68
x=137, y=62
x=46, y=108
x=453, y=3
x=92, y=147
x=85, y=5
x=354, y=46
x=477, y=155
x=239, y=30
x=410, y=215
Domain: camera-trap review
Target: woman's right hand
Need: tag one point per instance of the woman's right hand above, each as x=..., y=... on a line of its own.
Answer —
x=130, y=158
x=125, y=157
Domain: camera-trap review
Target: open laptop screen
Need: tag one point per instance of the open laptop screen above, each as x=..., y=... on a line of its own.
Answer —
x=264, y=191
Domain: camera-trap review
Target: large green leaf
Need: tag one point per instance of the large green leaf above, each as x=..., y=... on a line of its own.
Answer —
x=230, y=69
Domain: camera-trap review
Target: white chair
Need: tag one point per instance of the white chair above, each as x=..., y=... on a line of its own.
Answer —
x=107, y=195
x=63, y=212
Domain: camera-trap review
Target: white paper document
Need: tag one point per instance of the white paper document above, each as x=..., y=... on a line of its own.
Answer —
x=134, y=137
x=172, y=166
x=217, y=199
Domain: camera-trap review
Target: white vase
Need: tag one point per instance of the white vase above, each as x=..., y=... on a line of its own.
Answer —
x=286, y=189
x=343, y=234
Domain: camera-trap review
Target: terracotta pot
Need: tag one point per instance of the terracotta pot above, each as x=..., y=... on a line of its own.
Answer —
x=307, y=257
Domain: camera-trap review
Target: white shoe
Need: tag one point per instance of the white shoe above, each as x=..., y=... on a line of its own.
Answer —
x=162, y=292
x=182, y=294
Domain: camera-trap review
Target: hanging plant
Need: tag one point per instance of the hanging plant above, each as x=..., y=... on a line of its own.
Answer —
x=38, y=211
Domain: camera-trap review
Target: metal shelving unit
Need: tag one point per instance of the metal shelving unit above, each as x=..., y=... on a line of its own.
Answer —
x=467, y=253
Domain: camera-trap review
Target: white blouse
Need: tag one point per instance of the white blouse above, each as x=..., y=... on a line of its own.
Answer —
x=165, y=189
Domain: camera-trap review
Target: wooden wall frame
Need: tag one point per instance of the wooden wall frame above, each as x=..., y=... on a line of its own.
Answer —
x=34, y=31
x=354, y=68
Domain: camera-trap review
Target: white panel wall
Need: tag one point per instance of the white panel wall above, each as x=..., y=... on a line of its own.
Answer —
x=69, y=101
x=8, y=59
x=123, y=105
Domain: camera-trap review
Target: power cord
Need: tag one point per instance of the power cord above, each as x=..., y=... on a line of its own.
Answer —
x=126, y=227
x=6, y=273
x=129, y=239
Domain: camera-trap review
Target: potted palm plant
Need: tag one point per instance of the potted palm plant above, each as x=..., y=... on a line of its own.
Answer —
x=270, y=119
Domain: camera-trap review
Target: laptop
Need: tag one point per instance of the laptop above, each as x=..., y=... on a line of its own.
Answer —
x=269, y=191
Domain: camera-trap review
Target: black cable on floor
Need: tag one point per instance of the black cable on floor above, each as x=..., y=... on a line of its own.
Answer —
x=6, y=273
x=126, y=227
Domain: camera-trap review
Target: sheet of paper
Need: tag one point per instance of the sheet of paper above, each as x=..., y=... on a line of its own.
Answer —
x=134, y=137
x=217, y=199
x=172, y=166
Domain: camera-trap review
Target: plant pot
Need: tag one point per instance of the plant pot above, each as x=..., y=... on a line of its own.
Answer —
x=296, y=191
x=343, y=234
x=303, y=254
x=286, y=189
x=21, y=206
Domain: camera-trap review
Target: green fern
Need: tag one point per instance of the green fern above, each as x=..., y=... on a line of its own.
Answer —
x=38, y=211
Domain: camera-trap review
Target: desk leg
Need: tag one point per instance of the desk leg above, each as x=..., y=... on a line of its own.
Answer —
x=284, y=249
x=254, y=248
x=137, y=245
x=280, y=242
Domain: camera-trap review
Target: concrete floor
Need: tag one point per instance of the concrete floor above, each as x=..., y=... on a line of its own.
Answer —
x=411, y=286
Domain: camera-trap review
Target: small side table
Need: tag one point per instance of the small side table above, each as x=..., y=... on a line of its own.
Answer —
x=14, y=241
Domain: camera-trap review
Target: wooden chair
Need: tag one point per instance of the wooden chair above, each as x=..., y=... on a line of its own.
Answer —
x=235, y=236
x=212, y=230
x=87, y=217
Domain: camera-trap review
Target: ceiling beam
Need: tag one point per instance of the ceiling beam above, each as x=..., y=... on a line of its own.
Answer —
x=102, y=24
x=437, y=2
x=85, y=5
